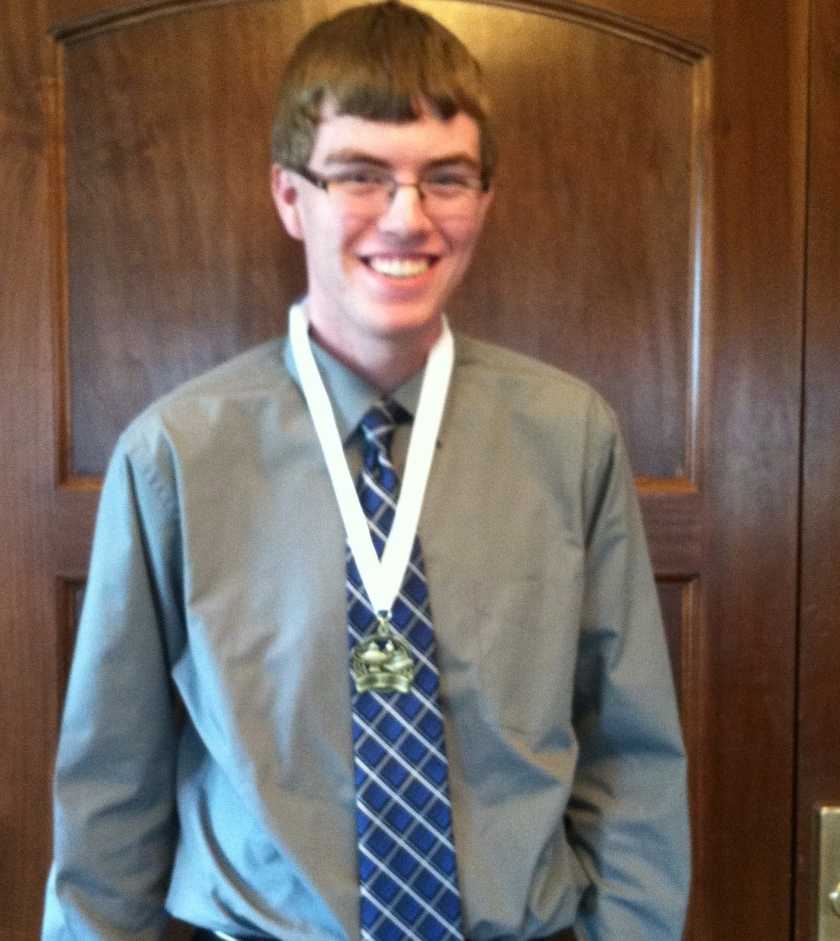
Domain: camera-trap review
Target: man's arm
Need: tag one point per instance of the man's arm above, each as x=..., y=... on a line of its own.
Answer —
x=628, y=812
x=115, y=823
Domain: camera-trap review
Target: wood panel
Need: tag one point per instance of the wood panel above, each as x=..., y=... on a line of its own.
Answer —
x=677, y=600
x=691, y=20
x=166, y=173
x=27, y=643
x=610, y=264
x=752, y=471
x=819, y=662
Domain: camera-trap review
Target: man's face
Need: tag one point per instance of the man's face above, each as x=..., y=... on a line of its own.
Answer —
x=384, y=275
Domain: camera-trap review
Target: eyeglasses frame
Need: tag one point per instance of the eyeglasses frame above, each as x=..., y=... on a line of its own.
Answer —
x=323, y=183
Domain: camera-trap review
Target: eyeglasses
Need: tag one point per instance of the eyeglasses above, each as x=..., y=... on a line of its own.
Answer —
x=443, y=193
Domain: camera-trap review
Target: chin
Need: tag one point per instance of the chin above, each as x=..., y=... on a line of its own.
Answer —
x=401, y=320
x=420, y=329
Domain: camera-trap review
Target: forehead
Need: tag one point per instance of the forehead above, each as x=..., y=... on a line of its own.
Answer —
x=412, y=143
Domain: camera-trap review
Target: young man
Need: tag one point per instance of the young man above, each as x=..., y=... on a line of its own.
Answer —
x=469, y=735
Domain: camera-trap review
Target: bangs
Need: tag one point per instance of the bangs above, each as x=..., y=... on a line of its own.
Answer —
x=398, y=107
x=391, y=68
x=384, y=62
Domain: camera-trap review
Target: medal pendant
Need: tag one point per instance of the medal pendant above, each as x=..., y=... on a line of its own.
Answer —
x=383, y=661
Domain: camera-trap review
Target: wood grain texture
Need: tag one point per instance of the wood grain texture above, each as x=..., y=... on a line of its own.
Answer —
x=674, y=600
x=168, y=173
x=673, y=518
x=819, y=663
x=743, y=882
x=690, y=20
x=27, y=645
x=689, y=23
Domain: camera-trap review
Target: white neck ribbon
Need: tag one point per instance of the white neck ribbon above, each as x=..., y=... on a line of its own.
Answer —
x=383, y=577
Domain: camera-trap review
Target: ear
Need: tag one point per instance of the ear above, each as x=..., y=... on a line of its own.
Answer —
x=486, y=202
x=489, y=197
x=284, y=191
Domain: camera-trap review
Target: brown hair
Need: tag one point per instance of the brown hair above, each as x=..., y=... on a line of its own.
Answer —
x=384, y=62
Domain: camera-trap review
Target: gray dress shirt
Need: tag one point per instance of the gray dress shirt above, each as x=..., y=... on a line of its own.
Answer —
x=205, y=762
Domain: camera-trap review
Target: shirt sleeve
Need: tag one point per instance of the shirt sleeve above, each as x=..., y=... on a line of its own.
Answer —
x=114, y=792
x=627, y=814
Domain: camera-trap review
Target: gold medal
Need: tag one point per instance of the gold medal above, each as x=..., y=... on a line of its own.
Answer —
x=383, y=661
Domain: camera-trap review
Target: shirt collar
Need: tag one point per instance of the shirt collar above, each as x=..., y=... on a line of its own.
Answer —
x=350, y=395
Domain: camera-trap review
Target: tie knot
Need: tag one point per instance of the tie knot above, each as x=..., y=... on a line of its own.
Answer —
x=379, y=422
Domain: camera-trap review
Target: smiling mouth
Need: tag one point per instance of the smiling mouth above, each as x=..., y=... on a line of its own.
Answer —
x=394, y=267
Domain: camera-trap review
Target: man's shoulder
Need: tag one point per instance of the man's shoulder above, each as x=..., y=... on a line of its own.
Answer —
x=257, y=371
x=258, y=374
x=518, y=378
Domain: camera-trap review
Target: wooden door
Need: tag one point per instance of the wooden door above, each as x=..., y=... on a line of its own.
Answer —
x=818, y=719
x=648, y=235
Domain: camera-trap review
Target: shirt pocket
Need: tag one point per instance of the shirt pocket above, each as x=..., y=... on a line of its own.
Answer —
x=527, y=648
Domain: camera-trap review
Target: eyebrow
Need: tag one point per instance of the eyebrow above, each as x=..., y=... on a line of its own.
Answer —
x=359, y=156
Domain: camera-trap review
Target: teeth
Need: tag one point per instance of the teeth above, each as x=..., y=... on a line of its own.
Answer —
x=400, y=267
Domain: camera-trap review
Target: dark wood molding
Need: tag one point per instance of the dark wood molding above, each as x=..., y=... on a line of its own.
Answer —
x=635, y=30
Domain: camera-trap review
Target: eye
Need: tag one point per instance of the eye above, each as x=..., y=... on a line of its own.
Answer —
x=361, y=177
x=448, y=179
x=451, y=184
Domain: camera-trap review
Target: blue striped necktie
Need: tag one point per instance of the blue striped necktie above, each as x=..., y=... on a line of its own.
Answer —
x=406, y=853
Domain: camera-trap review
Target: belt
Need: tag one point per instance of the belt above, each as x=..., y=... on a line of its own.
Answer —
x=203, y=934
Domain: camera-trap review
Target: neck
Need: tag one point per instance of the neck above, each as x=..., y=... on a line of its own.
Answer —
x=384, y=362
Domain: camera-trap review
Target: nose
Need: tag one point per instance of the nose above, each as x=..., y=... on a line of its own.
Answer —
x=405, y=215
